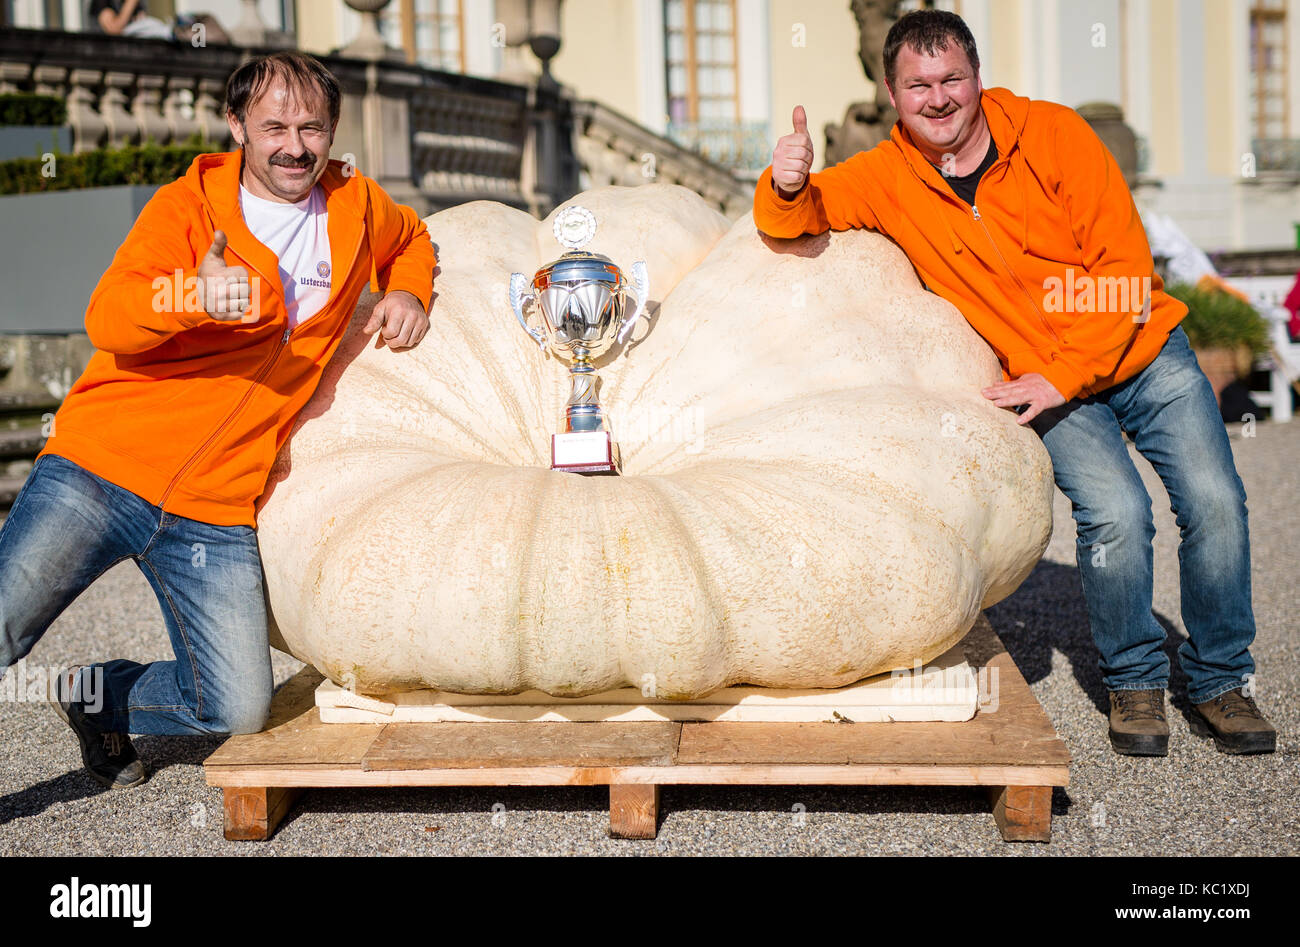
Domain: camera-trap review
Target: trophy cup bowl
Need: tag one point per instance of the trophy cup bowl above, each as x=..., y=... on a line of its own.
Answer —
x=583, y=300
x=582, y=297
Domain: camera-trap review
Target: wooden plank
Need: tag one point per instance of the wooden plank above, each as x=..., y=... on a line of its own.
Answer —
x=999, y=676
x=1010, y=748
x=1010, y=730
x=633, y=810
x=758, y=774
x=294, y=697
x=303, y=740
x=1004, y=743
x=411, y=746
x=294, y=734
x=1011, y=695
x=1022, y=813
x=250, y=814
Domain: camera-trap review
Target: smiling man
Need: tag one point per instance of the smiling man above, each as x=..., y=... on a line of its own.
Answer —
x=213, y=325
x=1014, y=211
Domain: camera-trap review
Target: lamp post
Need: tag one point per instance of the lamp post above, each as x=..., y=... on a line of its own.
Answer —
x=544, y=36
x=535, y=24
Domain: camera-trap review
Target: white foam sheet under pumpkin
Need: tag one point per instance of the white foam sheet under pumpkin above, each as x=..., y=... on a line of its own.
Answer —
x=813, y=491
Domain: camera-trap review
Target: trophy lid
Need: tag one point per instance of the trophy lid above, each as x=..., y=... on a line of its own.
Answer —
x=580, y=266
x=574, y=227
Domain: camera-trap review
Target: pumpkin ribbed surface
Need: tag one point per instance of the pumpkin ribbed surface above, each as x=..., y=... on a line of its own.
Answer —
x=813, y=488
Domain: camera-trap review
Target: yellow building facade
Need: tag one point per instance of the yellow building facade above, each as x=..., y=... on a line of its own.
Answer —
x=1211, y=87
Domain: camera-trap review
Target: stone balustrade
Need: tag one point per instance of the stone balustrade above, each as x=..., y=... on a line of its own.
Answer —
x=122, y=91
x=432, y=138
x=613, y=149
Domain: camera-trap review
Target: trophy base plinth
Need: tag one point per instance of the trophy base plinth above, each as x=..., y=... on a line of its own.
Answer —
x=584, y=452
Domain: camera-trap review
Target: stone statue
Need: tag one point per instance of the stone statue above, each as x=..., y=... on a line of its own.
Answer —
x=866, y=124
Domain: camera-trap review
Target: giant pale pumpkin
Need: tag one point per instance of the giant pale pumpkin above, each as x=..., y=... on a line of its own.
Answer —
x=813, y=489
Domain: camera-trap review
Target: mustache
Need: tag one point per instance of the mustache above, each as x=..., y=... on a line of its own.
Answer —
x=306, y=160
x=940, y=114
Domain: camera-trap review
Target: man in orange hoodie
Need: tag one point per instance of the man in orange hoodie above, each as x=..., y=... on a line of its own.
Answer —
x=1014, y=211
x=213, y=325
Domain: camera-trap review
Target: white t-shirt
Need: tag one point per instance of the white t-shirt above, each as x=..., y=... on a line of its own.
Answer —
x=297, y=234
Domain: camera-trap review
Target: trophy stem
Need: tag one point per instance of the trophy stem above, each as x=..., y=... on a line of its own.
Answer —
x=582, y=412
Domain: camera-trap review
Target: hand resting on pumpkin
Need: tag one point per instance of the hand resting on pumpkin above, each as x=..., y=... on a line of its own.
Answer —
x=400, y=320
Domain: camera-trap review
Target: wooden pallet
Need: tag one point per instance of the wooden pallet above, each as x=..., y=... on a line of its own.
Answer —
x=1011, y=750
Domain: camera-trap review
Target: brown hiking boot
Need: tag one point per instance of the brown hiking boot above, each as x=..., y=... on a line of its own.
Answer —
x=1235, y=723
x=1137, y=723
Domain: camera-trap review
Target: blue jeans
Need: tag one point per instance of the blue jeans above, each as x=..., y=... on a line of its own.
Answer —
x=68, y=527
x=1170, y=411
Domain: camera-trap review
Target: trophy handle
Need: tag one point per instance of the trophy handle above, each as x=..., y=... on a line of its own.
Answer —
x=641, y=284
x=518, y=295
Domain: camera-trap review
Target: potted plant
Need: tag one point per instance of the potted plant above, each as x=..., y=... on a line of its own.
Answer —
x=1225, y=331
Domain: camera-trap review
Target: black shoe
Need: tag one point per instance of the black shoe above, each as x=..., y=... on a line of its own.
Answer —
x=1236, y=724
x=1137, y=723
x=109, y=757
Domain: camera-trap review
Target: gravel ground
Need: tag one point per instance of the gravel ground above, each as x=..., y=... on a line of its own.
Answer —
x=1196, y=801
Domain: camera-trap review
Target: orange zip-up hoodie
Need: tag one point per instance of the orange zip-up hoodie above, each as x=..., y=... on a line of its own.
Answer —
x=1035, y=266
x=189, y=412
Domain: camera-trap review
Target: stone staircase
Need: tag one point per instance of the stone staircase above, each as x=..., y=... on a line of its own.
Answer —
x=23, y=422
x=36, y=371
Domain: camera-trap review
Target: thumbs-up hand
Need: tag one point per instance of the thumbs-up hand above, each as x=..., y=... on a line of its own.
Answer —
x=225, y=288
x=793, y=156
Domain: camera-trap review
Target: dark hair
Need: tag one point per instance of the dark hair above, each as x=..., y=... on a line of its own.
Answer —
x=928, y=31
x=302, y=74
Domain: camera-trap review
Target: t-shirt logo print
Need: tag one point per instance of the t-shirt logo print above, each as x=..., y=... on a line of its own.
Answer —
x=323, y=269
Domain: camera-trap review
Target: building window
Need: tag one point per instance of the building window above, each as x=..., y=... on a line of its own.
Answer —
x=1268, y=69
x=431, y=32
x=700, y=38
x=703, y=78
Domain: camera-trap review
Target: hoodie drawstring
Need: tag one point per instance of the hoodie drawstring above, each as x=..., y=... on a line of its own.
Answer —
x=952, y=234
x=1015, y=158
x=370, y=247
x=1024, y=200
x=939, y=211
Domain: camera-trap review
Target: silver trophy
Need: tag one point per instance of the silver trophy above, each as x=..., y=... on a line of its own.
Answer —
x=583, y=299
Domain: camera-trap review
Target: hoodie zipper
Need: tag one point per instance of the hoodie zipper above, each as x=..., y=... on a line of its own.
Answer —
x=975, y=211
x=261, y=375
x=266, y=368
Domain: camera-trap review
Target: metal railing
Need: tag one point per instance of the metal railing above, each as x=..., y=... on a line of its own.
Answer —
x=613, y=149
x=740, y=146
x=1276, y=154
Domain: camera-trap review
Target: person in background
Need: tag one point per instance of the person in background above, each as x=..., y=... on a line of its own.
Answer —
x=129, y=18
x=1292, y=304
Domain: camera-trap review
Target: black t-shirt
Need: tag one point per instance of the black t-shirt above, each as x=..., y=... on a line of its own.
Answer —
x=964, y=186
